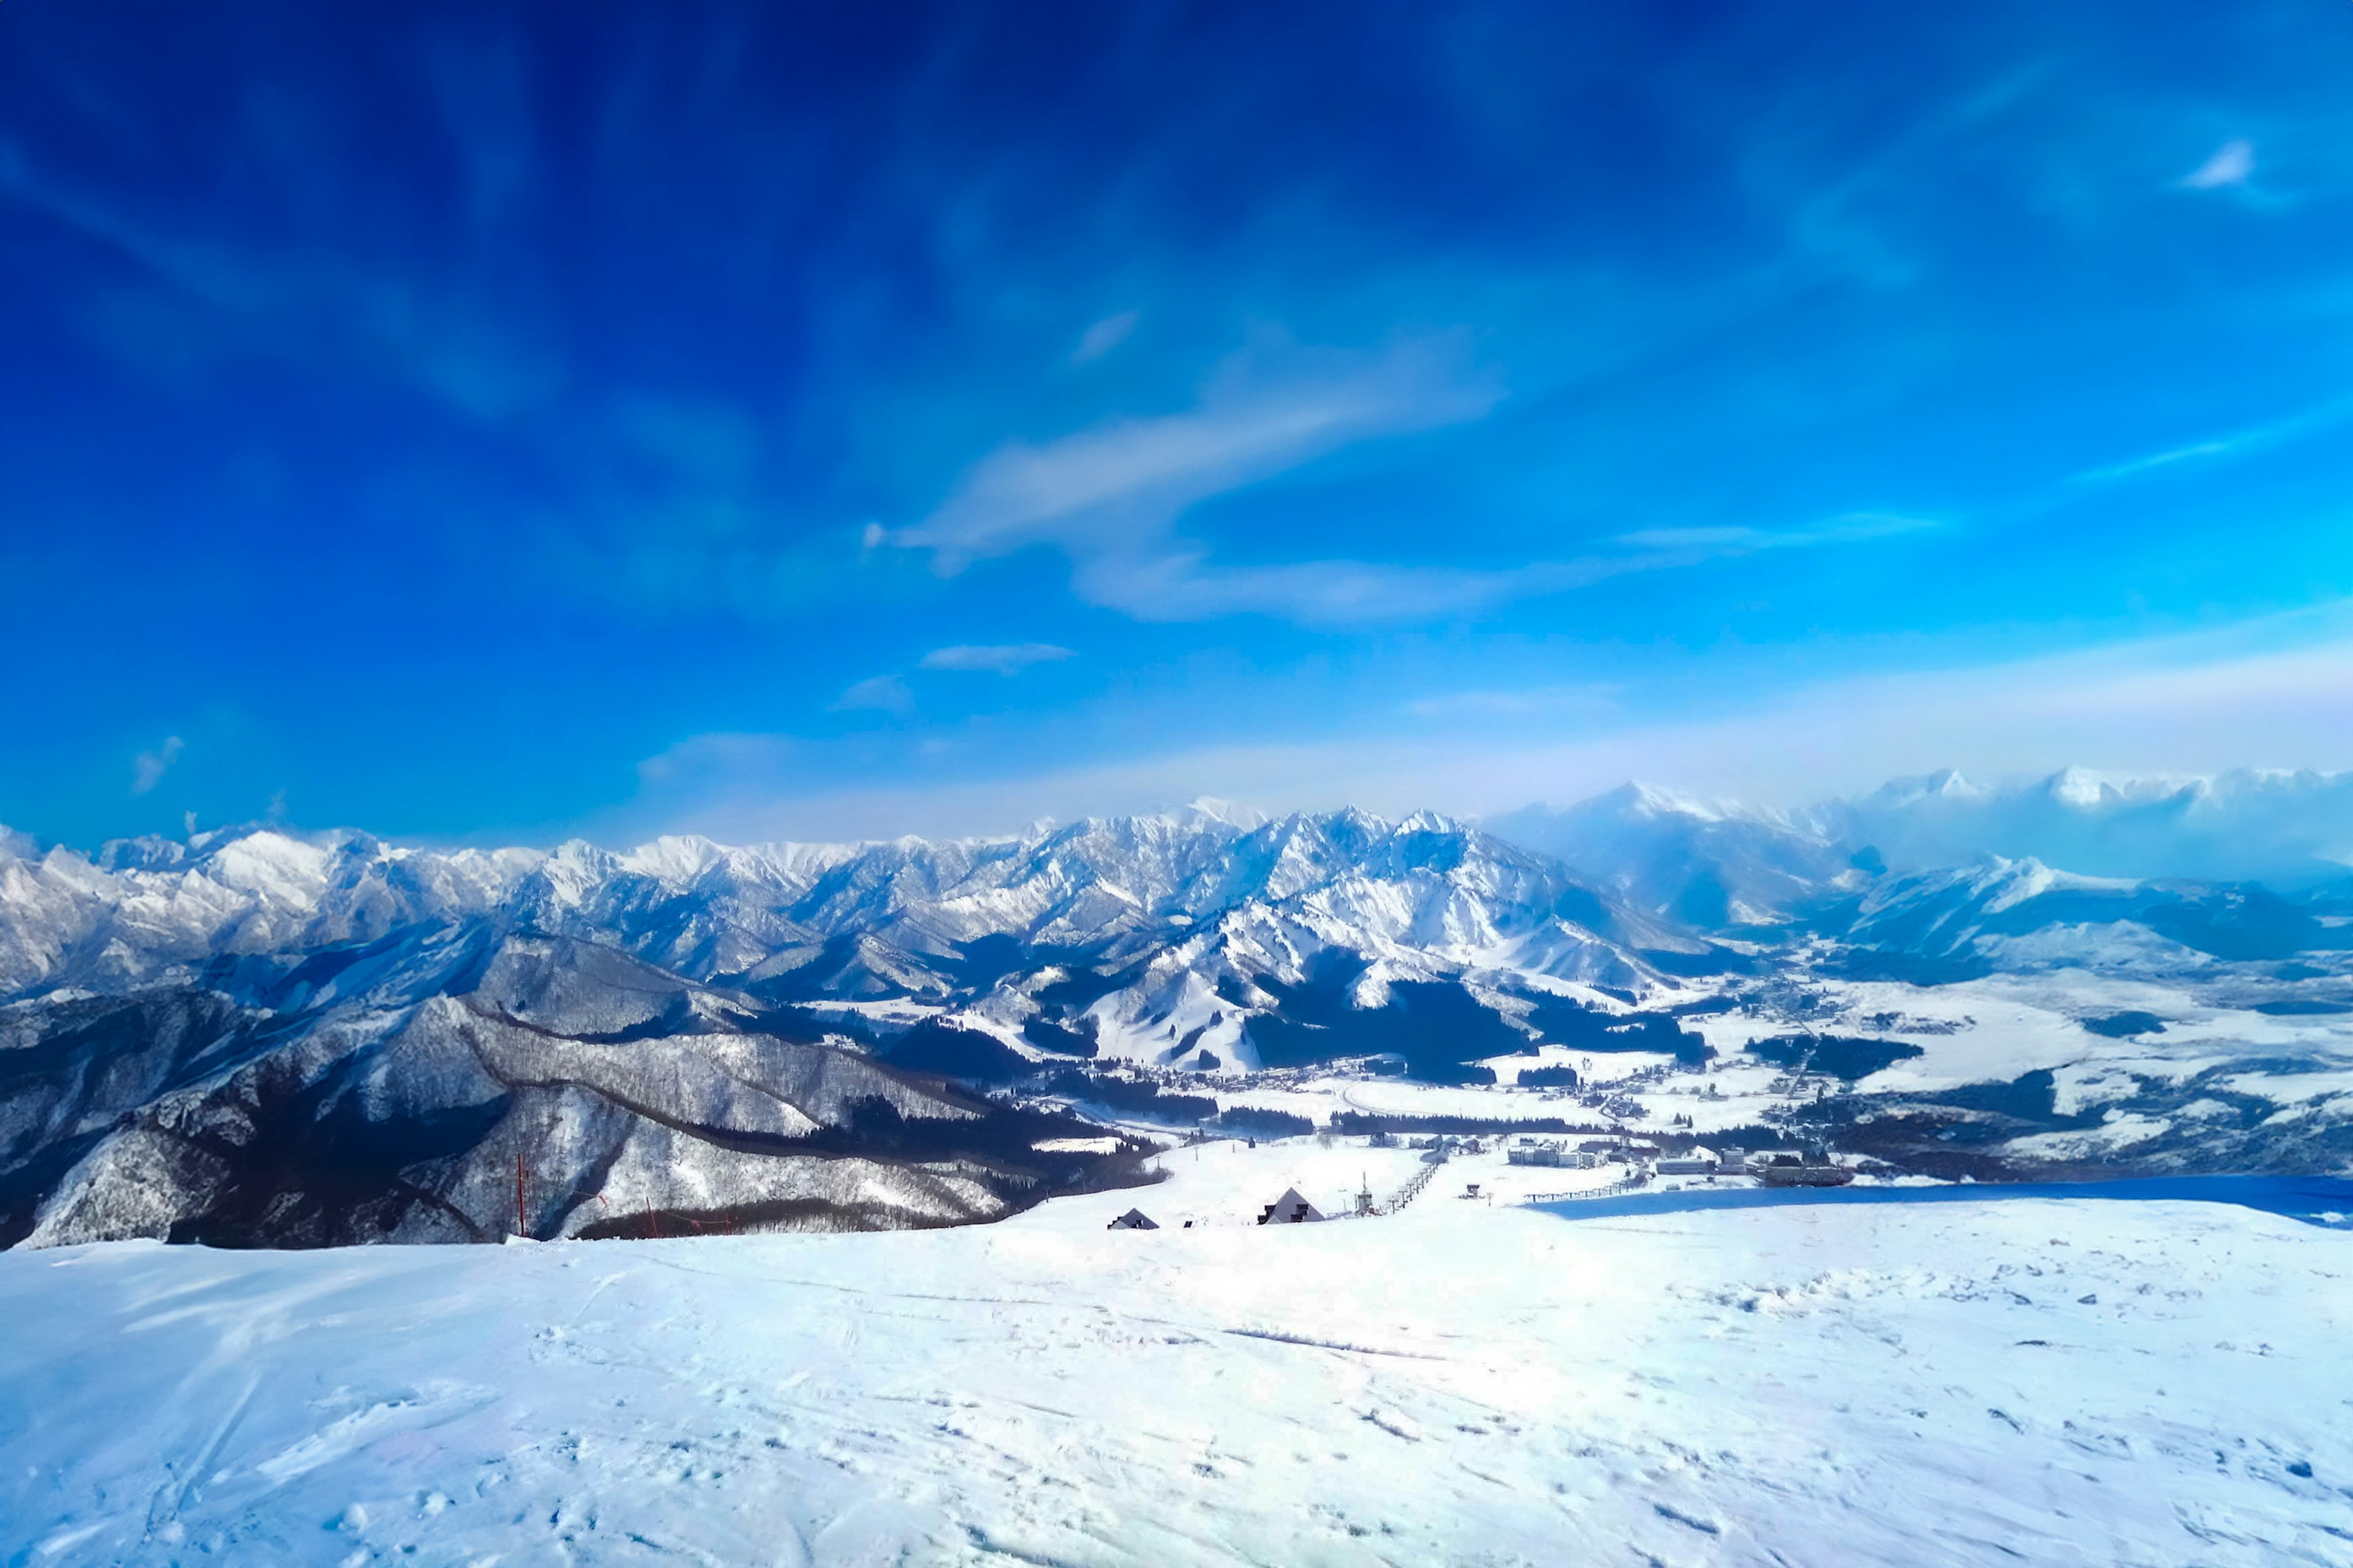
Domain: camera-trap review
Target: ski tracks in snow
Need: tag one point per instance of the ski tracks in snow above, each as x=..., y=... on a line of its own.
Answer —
x=2065, y=1381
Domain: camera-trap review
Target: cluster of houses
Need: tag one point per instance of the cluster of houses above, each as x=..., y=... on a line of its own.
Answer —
x=1775, y=1170
x=1642, y=1158
x=1585, y=1155
x=1549, y=1152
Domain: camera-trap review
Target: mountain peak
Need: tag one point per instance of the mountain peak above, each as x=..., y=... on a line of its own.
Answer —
x=1232, y=812
x=675, y=857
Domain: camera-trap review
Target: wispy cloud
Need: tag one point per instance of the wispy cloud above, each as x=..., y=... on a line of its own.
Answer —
x=1540, y=702
x=1339, y=592
x=1665, y=546
x=2201, y=703
x=2237, y=443
x=719, y=753
x=1000, y=658
x=1109, y=499
x=1188, y=587
x=2232, y=163
x=301, y=303
x=880, y=693
x=1103, y=336
x=148, y=768
x=1109, y=496
x=2167, y=458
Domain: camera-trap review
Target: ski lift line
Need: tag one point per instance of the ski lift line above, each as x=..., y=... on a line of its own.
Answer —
x=1622, y=1185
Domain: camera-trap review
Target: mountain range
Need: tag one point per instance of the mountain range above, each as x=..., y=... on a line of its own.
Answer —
x=256, y=1035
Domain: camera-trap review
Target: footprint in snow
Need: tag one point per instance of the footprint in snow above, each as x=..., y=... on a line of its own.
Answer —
x=1703, y=1526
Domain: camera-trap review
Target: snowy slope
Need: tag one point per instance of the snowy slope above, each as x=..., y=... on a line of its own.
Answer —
x=2076, y=1381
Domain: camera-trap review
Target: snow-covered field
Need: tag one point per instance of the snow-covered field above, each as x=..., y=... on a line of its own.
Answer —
x=2048, y=1381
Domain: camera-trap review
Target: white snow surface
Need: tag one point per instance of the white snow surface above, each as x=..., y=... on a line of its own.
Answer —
x=2057, y=1381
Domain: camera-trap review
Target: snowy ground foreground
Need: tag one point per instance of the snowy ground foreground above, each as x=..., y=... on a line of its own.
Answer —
x=2074, y=1382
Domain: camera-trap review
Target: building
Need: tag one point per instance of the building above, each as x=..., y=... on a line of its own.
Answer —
x=1796, y=1174
x=1134, y=1219
x=1686, y=1165
x=1290, y=1209
x=1806, y=1175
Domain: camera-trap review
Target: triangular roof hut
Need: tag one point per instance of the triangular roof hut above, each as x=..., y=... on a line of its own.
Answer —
x=1134, y=1219
x=1290, y=1209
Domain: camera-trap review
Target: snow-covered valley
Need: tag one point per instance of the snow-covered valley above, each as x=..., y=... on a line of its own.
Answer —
x=2081, y=1381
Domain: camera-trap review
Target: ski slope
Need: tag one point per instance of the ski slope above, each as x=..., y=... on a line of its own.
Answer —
x=2071, y=1380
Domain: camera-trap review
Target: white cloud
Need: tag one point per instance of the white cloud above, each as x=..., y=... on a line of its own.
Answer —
x=1185, y=587
x=2282, y=827
x=2235, y=444
x=1678, y=546
x=2232, y=162
x=1109, y=500
x=304, y=304
x=718, y=754
x=2199, y=705
x=880, y=693
x=1003, y=658
x=1588, y=702
x=1103, y=336
x=148, y=768
x=2136, y=465
x=1109, y=496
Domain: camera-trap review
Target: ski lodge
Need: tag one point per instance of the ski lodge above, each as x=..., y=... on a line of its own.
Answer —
x=1290, y=1209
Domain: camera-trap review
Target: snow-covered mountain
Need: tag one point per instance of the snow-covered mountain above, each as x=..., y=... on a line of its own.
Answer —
x=259, y=1035
x=1720, y=866
x=264, y=1034
x=2289, y=830
x=911, y=918
x=1714, y=866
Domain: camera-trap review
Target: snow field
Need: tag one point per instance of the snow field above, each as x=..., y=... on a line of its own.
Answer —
x=1229, y=1184
x=2062, y=1381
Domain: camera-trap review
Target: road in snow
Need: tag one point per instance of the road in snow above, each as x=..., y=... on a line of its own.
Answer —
x=2059, y=1381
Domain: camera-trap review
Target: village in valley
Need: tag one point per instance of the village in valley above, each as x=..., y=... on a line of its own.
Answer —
x=1523, y=1169
x=1354, y=1142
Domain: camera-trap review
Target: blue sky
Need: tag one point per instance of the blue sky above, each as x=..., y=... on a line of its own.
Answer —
x=488, y=423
